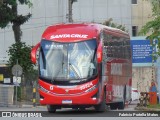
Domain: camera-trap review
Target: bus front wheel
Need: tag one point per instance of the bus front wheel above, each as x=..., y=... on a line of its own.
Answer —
x=121, y=105
x=113, y=106
x=51, y=109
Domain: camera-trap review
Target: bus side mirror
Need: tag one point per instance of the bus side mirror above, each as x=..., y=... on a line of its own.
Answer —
x=99, y=53
x=33, y=53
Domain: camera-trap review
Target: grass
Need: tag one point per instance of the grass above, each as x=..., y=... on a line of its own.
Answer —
x=157, y=106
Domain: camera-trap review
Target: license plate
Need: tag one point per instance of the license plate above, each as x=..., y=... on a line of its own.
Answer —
x=66, y=101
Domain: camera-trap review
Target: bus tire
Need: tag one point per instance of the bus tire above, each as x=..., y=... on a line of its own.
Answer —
x=102, y=106
x=121, y=105
x=51, y=109
x=82, y=108
x=113, y=106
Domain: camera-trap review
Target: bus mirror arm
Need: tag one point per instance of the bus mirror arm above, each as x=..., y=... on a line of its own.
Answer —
x=33, y=53
x=99, y=53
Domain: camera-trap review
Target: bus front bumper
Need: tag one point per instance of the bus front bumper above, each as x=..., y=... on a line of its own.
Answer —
x=88, y=98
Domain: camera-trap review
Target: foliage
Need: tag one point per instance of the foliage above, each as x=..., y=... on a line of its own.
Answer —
x=9, y=14
x=157, y=106
x=31, y=76
x=155, y=7
x=19, y=90
x=152, y=28
x=21, y=52
x=110, y=23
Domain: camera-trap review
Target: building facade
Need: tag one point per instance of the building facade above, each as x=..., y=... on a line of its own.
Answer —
x=141, y=14
x=48, y=12
x=100, y=10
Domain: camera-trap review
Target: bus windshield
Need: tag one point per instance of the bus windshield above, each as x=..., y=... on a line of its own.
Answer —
x=67, y=61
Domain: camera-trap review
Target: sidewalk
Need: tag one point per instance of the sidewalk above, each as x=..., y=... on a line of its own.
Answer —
x=18, y=105
x=24, y=107
x=146, y=109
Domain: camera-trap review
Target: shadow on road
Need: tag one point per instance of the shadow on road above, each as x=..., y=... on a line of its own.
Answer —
x=79, y=113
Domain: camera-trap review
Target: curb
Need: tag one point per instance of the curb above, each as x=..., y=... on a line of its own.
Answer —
x=146, y=109
x=21, y=106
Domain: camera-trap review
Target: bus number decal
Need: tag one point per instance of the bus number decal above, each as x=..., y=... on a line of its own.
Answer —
x=86, y=86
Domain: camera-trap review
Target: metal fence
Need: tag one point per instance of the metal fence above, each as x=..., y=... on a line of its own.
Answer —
x=6, y=95
x=26, y=93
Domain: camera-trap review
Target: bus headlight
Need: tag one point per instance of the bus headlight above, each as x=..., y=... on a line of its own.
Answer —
x=92, y=88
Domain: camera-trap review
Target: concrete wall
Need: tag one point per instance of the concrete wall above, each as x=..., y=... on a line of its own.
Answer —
x=142, y=77
x=101, y=10
x=141, y=13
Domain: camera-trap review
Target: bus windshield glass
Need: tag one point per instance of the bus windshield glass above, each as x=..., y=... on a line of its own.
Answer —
x=67, y=61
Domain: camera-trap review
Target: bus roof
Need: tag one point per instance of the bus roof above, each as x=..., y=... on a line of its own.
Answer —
x=76, y=32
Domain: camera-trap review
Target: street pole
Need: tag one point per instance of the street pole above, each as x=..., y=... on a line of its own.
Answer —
x=70, y=20
x=16, y=71
x=158, y=76
x=16, y=86
x=16, y=82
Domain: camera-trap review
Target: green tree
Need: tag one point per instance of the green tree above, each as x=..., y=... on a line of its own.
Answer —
x=110, y=23
x=155, y=7
x=21, y=52
x=9, y=14
x=152, y=28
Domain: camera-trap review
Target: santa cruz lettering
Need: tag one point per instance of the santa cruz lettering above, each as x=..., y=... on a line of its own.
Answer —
x=69, y=36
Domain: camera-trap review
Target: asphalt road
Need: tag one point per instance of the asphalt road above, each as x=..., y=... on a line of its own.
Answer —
x=67, y=112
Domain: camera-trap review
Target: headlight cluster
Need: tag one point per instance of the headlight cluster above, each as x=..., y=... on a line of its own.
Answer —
x=43, y=89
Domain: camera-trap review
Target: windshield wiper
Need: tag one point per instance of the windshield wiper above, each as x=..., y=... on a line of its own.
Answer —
x=74, y=70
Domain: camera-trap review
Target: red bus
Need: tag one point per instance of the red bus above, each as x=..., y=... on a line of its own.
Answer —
x=84, y=65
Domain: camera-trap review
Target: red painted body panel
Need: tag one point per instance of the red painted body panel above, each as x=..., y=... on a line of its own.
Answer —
x=83, y=99
x=33, y=53
x=75, y=30
x=75, y=93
